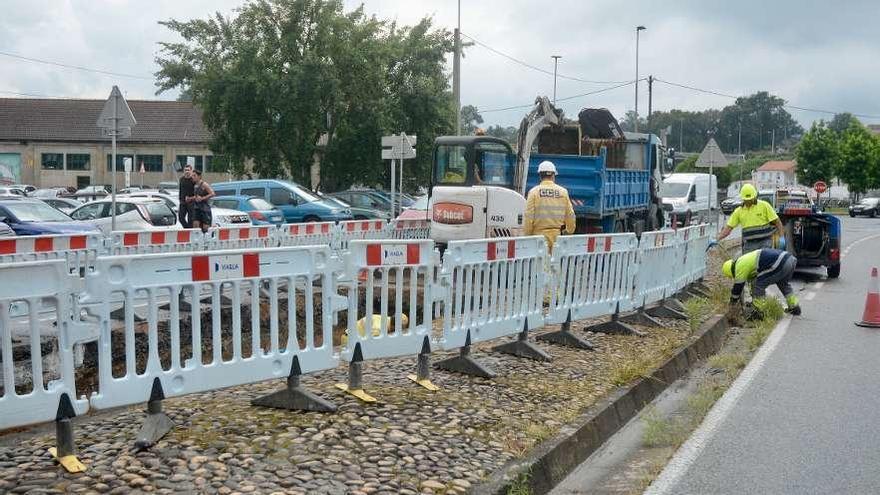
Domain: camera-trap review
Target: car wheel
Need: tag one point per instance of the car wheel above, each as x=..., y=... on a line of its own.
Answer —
x=834, y=271
x=851, y=214
x=360, y=217
x=311, y=219
x=873, y=213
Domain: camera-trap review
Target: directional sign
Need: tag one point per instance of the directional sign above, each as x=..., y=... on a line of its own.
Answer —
x=820, y=187
x=116, y=114
x=398, y=147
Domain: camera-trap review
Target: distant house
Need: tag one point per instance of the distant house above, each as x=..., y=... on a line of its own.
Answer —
x=775, y=173
x=875, y=128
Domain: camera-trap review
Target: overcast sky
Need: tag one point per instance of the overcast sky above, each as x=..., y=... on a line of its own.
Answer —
x=816, y=54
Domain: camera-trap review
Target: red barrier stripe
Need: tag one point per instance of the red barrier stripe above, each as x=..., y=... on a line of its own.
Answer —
x=412, y=254
x=378, y=225
x=591, y=244
x=365, y=226
x=43, y=244
x=183, y=236
x=157, y=238
x=244, y=233
x=491, y=251
x=201, y=268
x=130, y=239
x=78, y=242
x=607, y=244
x=263, y=232
x=250, y=264
x=294, y=230
x=325, y=228
x=224, y=234
x=349, y=227
x=374, y=255
x=511, y=249
x=310, y=229
x=7, y=246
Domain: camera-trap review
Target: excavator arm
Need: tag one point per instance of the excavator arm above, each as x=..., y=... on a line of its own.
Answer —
x=543, y=114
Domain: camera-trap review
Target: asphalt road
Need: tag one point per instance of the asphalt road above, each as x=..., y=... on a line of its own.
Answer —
x=803, y=417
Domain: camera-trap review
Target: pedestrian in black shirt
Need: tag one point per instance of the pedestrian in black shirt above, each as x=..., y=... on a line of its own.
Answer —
x=186, y=192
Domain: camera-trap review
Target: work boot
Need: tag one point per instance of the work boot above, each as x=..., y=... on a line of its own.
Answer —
x=794, y=310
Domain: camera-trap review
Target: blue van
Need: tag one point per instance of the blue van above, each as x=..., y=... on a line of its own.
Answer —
x=297, y=203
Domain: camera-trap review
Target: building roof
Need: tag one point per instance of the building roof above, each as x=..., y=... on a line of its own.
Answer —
x=34, y=119
x=778, y=166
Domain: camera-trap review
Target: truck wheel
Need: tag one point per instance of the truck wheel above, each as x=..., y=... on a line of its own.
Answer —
x=834, y=271
x=873, y=213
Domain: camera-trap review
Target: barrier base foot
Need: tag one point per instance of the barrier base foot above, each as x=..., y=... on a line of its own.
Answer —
x=69, y=462
x=675, y=304
x=640, y=317
x=615, y=326
x=155, y=427
x=465, y=364
x=295, y=399
x=521, y=347
x=565, y=338
x=426, y=383
x=698, y=290
x=119, y=315
x=357, y=392
x=664, y=310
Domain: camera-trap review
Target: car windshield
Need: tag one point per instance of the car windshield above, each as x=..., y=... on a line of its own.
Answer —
x=420, y=204
x=674, y=189
x=36, y=212
x=303, y=193
x=260, y=204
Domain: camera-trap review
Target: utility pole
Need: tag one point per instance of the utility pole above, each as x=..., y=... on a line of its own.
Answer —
x=456, y=74
x=681, y=135
x=773, y=141
x=650, y=96
x=636, y=124
x=739, y=145
x=555, y=64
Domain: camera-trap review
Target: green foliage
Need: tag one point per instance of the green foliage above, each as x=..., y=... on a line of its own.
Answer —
x=859, y=158
x=817, y=154
x=506, y=133
x=470, y=118
x=280, y=74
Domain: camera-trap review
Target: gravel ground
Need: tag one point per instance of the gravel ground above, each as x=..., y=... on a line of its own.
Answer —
x=411, y=441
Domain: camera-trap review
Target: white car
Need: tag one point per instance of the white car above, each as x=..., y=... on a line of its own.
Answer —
x=222, y=217
x=131, y=214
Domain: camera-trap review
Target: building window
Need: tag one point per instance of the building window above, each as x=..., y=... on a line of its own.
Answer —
x=79, y=161
x=152, y=163
x=120, y=163
x=181, y=159
x=217, y=164
x=52, y=161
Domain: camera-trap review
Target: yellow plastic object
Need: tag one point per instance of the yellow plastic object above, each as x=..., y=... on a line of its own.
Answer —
x=425, y=383
x=748, y=192
x=361, y=326
x=359, y=393
x=68, y=462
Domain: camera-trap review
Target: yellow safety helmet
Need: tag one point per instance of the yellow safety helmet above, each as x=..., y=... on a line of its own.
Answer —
x=748, y=192
x=727, y=268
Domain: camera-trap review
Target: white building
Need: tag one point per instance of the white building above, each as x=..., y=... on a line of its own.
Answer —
x=775, y=174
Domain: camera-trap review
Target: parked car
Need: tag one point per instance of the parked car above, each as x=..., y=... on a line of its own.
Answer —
x=418, y=210
x=297, y=203
x=94, y=190
x=131, y=214
x=51, y=192
x=11, y=191
x=170, y=201
x=405, y=200
x=357, y=212
x=27, y=188
x=730, y=204
x=867, y=207
x=364, y=199
x=64, y=205
x=225, y=217
x=28, y=216
x=260, y=211
x=6, y=230
x=168, y=185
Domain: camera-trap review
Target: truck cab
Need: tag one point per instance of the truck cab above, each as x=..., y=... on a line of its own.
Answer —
x=473, y=191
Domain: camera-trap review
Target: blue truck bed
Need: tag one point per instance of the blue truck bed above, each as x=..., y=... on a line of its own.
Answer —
x=596, y=191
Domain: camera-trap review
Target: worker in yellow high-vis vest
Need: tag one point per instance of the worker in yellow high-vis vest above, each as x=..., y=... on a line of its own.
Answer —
x=758, y=220
x=548, y=209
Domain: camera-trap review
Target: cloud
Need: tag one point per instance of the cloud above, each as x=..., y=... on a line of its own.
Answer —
x=809, y=52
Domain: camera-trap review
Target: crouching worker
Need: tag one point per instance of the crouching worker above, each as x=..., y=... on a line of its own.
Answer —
x=762, y=268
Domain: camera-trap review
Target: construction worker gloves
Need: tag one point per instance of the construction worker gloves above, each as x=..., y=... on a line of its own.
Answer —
x=712, y=243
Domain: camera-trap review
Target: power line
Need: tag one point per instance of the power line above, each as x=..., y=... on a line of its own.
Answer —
x=533, y=67
x=32, y=95
x=76, y=67
x=794, y=107
x=567, y=98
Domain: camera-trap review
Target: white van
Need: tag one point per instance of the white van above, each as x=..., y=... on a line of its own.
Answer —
x=693, y=196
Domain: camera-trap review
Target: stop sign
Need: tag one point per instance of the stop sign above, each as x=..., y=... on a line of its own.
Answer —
x=820, y=187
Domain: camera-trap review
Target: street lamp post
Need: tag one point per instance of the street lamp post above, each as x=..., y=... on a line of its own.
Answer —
x=636, y=125
x=555, y=65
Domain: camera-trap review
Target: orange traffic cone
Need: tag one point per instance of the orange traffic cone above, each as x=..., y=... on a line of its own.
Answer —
x=871, y=316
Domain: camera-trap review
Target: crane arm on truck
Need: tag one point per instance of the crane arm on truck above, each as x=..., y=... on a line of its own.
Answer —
x=542, y=115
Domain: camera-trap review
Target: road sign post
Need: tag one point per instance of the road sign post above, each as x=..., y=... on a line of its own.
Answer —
x=116, y=120
x=400, y=147
x=820, y=187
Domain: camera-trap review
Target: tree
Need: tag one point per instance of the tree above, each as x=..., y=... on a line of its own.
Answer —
x=859, y=164
x=281, y=74
x=841, y=122
x=506, y=133
x=817, y=154
x=628, y=123
x=470, y=117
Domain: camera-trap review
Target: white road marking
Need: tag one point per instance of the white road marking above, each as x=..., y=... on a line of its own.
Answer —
x=810, y=295
x=856, y=243
x=818, y=285
x=688, y=453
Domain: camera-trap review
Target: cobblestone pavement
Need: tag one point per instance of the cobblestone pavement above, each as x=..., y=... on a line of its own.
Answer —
x=412, y=441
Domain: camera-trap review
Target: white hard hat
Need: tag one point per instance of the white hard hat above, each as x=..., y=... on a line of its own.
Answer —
x=546, y=167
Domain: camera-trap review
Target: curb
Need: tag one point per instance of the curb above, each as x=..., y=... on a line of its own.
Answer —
x=550, y=462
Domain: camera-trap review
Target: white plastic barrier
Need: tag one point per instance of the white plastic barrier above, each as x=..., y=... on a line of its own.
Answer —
x=78, y=250
x=408, y=229
x=247, y=237
x=47, y=285
x=694, y=242
x=305, y=234
x=658, y=266
x=492, y=288
x=281, y=285
x=399, y=274
x=157, y=241
x=359, y=230
x=592, y=276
